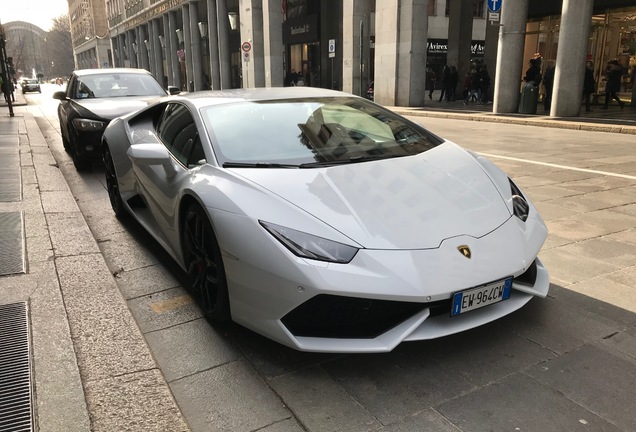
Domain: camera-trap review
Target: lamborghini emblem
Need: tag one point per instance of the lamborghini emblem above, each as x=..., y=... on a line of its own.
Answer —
x=464, y=250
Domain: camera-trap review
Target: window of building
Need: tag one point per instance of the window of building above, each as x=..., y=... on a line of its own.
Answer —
x=431, y=7
x=478, y=8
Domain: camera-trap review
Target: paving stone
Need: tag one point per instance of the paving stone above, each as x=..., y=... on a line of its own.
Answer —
x=114, y=404
x=608, y=394
x=70, y=234
x=505, y=406
x=400, y=384
x=321, y=404
x=189, y=348
x=231, y=397
x=164, y=309
x=144, y=281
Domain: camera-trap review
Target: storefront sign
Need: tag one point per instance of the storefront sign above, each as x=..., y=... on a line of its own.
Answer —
x=440, y=47
x=301, y=30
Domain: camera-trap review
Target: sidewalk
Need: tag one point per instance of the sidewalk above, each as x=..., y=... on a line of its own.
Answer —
x=614, y=119
x=92, y=369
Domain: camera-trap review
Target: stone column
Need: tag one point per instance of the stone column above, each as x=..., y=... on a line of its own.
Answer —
x=512, y=37
x=147, y=44
x=187, y=43
x=213, y=45
x=574, y=36
x=157, y=52
x=355, y=46
x=273, y=47
x=195, y=44
x=172, y=46
x=132, y=39
x=166, y=52
x=224, y=44
x=460, y=33
x=251, y=12
x=490, y=53
x=400, y=52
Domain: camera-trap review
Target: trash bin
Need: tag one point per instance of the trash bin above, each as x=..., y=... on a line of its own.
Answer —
x=529, y=98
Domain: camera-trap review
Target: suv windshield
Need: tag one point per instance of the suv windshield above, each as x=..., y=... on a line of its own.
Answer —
x=311, y=133
x=116, y=85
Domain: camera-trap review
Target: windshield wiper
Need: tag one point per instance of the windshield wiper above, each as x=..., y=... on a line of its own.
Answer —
x=257, y=165
x=353, y=159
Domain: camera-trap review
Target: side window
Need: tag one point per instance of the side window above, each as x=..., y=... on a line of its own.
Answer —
x=178, y=132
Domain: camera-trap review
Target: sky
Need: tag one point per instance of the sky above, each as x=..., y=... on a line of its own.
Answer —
x=38, y=12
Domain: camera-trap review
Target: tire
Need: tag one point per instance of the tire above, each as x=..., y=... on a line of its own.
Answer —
x=81, y=164
x=65, y=143
x=112, y=185
x=204, y=265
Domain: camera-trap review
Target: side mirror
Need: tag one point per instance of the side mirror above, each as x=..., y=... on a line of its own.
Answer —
x=153, y=154
x=61, y=95
x=173, y=90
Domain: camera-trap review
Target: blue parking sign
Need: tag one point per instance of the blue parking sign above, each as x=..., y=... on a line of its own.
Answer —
x=494, y=5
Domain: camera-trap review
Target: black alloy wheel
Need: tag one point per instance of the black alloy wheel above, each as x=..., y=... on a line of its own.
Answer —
x=202, y=257
x=113, y=186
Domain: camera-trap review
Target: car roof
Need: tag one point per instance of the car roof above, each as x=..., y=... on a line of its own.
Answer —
x=217, y=97
x=84, y=72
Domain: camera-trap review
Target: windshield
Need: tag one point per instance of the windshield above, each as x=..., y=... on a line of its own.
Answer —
x=117, y=85
x=311, y=132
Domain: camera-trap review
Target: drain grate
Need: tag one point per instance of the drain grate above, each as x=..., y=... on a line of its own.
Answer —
x=16, y=391
x=10, y=175
x=12, y=256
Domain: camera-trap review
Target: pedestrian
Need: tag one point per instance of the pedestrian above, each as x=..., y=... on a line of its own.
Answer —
x=430, y=81
x=589, y=84
x=6, y=91
x=548, y=84
x=473, y=89
x=484, y=85
x=613, y=85
x=533, y=74
x=468, y=78
x=452, y=85
x=445, y=82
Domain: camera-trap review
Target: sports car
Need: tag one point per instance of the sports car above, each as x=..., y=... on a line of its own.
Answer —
x=95, y=96
x=322, y=220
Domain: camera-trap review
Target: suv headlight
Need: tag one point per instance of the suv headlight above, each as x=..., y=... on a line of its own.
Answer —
x=310, y=246
x=520, y=205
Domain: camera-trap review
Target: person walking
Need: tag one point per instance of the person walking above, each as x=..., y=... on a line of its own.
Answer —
x=548, y=84
x=589, y=84
x=452, y=84
x=484, y=85
x=430, y=81
x=445, y=82
x=473, y=88
x=613, y=77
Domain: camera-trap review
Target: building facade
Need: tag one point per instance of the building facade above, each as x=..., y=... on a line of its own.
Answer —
x=345, y=44
x=25, y=46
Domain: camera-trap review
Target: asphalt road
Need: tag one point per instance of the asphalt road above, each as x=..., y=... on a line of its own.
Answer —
x=564, y=363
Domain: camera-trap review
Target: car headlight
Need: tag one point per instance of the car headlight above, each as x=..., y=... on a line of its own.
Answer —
x=520, y=205
x=310, y=246
x=86, y=125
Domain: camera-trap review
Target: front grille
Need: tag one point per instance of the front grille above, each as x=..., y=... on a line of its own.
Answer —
x=16, y=393
x=330, y=316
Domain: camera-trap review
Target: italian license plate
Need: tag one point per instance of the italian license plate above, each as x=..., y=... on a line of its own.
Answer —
x=479, y=297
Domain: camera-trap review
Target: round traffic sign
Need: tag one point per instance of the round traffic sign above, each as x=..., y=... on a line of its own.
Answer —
x=246, y=46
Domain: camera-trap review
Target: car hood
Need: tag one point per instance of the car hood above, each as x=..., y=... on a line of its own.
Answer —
x=402, y=203
x=109, y=108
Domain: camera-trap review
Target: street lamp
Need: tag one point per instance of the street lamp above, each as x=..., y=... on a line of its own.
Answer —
x=179, y=33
